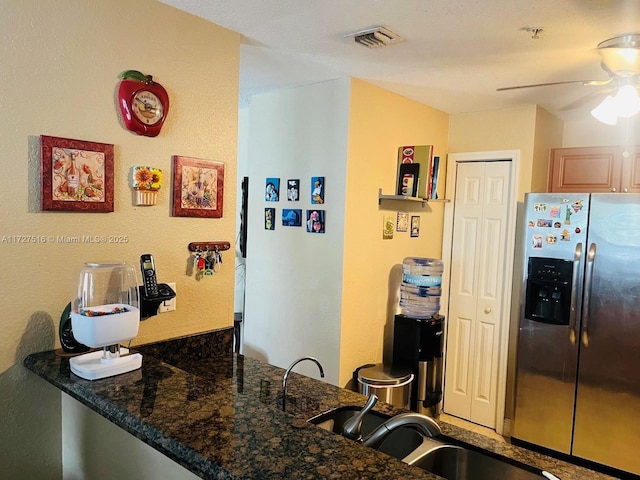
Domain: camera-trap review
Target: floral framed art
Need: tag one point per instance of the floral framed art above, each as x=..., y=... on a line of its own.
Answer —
x=198, y=187
x=77, y=175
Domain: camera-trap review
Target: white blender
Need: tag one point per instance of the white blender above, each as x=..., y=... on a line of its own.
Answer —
x=105, y=313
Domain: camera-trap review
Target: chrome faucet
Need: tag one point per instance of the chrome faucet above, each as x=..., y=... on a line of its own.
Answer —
x=352, y=428
x=424, y=424
x=288, y=371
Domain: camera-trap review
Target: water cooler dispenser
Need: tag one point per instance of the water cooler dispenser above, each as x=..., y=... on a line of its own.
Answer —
x=417, y=346
x=418, y=332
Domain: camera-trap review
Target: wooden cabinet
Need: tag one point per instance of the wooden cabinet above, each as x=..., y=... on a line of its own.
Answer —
x=595, y=169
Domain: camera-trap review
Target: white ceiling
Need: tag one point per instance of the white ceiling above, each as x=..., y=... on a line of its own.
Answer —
x=456, y=53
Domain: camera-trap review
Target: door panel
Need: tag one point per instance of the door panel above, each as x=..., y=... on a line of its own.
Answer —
x=608, y=394
x=479, y=238
x=631, y=170
x=461, y=335
x=587, y=169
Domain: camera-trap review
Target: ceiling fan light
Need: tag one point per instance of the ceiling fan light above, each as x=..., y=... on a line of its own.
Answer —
x=606, y=111
x=621, y=55
x=627, y=102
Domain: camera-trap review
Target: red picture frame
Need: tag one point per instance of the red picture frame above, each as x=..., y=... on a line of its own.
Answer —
x=77, y=175
x=198, y=187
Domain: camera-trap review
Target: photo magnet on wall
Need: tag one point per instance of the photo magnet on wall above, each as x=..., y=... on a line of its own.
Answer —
x=408, y=179
x=269, y=218
x=292, y=217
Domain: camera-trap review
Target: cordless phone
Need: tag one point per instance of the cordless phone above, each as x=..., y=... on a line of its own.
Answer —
x=149, y=280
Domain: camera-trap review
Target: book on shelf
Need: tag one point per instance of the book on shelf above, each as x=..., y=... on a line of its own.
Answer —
x=433, y=181
x=425, y=170
x=421, y=155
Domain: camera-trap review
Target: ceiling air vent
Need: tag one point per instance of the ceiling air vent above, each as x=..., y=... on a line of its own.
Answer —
x=375, y=37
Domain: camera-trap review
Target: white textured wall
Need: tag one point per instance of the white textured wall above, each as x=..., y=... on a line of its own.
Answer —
x=588, y=132
x=294, y=278
x=60, y=63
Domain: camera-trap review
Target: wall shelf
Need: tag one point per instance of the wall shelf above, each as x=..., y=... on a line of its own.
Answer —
x=406, y=198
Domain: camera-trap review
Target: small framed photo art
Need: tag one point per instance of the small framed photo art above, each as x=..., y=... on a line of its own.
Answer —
x=293, y=190
x=415, y=226
x=272, y=189
x=317, y=190
x=402, y=222
x=77, y=175
x=198, y=187
x=269, y=218
x=292, y=217
x=387, y=227
x=315, y=221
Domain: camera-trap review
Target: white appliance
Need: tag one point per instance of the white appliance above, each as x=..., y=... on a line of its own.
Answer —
x=105, y=313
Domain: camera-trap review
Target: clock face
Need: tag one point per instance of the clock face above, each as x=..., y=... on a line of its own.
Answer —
x=147, y=107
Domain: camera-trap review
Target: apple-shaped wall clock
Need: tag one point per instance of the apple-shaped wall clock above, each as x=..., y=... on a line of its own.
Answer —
x=144, y=103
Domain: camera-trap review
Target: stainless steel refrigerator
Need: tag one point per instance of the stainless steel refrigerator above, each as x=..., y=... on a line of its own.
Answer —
x=578, y=358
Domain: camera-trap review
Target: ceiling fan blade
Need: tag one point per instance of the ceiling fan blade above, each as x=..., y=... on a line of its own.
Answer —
x=583, y=82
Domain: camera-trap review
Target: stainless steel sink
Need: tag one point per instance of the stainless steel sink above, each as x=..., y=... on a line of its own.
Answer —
x=398, y=444
x=457, y=463
x=439, y=455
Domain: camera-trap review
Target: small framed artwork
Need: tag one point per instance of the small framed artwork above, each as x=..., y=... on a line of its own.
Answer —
x=269, y=218
x=272, y=189
x=402, y=222
x=77, y=175
x=293, y=190
x=315, y=221
x=198, y=187
x=317, y=190
x=415, y=226
x=387, y=227
x=291, y=217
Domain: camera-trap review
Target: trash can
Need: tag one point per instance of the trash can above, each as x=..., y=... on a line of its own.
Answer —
x=390, y=385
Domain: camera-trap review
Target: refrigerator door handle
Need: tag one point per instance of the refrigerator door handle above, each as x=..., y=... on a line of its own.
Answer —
x=587, y=294
x=573, y=313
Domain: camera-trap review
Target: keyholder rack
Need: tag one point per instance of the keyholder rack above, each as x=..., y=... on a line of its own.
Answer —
x=208, y=246
x=208, y=258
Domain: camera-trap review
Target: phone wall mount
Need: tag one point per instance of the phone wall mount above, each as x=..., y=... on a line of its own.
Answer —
x=149, y=304
x=65, y=331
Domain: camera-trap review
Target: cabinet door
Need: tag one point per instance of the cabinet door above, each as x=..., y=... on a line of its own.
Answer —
x=631, y=170
x=588, y=169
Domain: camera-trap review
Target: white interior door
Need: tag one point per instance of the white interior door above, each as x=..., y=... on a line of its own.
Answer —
x=477, y=282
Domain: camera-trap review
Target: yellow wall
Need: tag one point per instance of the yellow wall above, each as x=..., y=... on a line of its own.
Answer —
x=548, y=135
x=506, y=129
x=60, y=65
x=379, y=123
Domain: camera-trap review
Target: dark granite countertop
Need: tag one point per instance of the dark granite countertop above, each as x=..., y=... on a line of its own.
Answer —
x=219, y=415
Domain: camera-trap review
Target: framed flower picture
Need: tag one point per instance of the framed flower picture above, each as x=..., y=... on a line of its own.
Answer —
x=198, y=187
x=77, y=175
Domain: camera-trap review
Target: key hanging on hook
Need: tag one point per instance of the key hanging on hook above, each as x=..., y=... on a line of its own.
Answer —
x=199, y=261
x=217, y=260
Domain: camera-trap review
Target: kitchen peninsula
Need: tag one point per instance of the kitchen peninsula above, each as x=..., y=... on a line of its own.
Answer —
x=219, y=415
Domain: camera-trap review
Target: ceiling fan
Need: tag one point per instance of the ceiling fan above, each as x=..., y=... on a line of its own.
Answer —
x=620, y=58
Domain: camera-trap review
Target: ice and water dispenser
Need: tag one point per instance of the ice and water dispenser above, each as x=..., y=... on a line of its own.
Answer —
x=548, y=290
